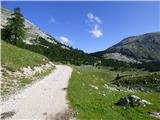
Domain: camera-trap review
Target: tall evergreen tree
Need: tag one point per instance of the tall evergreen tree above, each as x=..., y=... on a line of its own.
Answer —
x=14, y=31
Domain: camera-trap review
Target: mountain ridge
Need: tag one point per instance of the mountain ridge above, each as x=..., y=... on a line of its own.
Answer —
x=141, y=47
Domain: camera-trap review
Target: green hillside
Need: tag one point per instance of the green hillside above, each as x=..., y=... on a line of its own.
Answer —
x=14, y=58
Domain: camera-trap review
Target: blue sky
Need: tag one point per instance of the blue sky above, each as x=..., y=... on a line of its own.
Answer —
x=91, y=26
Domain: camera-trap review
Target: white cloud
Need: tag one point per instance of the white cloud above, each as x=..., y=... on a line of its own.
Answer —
x=94, y=23
x=52, y=20
x=65, y=40
x=96, y=31
x=93, y=18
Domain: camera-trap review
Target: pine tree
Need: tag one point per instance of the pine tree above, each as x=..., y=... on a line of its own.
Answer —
x=14, y=31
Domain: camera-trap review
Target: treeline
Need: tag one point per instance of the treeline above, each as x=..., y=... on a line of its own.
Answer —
x=151, y=66
x=55, y=52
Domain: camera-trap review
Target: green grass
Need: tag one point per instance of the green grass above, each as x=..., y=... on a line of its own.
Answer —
x=92, y=104
x=14, y=58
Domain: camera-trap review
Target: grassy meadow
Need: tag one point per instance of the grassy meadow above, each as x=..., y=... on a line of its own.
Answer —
x=92, y=100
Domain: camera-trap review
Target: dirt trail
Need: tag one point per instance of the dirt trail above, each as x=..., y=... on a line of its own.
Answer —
x=42, y=100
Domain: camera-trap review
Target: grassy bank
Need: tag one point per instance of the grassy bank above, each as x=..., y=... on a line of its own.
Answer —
x=93, y=101
x=14, y=58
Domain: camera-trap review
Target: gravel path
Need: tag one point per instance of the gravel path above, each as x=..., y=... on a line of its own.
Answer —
x=42, y=100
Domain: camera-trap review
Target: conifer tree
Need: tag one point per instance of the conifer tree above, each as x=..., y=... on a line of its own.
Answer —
x=14, y=31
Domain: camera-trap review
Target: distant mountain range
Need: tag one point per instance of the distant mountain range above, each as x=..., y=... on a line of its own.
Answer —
x=144, y=47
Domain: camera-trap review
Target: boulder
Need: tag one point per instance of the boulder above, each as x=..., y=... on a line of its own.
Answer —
x=133, y=100
x=124, y=101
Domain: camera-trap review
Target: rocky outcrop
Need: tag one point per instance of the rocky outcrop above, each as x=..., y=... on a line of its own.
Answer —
x=28, y=71
x=133, y=101
x=12, y=81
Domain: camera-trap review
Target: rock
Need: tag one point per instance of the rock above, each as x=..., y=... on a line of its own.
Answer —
x=133, y=100
x=111, y=88
x=145, y=82
x=124, y=101
x=27, y=71
x=141, y=89
x=155, y=114
x=64, y=88
x=146, y=102
x=38, y=69
x=133, y=97
x=93, y=86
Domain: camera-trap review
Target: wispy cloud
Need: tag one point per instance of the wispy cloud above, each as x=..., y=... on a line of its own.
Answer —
x=52, y=20
x=95, y=23
x=96, y=31
x=93, y=18
x=65, y=41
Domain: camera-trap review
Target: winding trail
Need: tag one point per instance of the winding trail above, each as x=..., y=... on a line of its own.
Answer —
x=42, y=100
